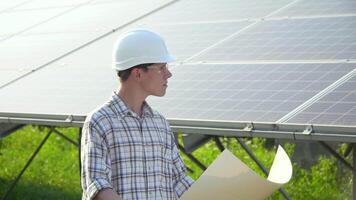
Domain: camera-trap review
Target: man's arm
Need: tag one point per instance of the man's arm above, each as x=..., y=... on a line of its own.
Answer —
x=107, y=194
x=95, y=174
x=182, y=182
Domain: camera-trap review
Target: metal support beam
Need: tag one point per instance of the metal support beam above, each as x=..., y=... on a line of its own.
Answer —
x=279, y=130
x=254, y=158
x=266, y=130
x=66, y=137
x=8, y=192
x=192, y=158
x=348, y=150
x=7, y=129
x=337, y=155
x=194, y=141
x=218, y=143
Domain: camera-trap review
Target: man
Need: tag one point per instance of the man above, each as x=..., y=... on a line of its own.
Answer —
x=128, y=149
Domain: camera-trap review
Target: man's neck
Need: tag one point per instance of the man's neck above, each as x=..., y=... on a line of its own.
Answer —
x=132, y=99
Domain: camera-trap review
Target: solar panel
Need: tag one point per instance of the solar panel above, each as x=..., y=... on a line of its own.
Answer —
x=32, y=51
x=336, y=108
x=41, y=44
x=17, y=21
x=201, y=10
x=290, y=39
x=184, y=40
x=7, y=75
x=7, y=5
x=244, y=92
x=255, y=60
x=319, y=8
x=80, y=78
x=38, y=4
x=99, y=17
x=61, y=88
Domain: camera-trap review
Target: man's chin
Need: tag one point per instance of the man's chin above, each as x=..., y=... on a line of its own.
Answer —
x=160, y=94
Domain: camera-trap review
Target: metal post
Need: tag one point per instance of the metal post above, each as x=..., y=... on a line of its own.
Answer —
x=8, y=192
x=65, y=137
x=218, y=143
x=354, y=171
x=192, y=158
x=336, y=155
x=79, y=152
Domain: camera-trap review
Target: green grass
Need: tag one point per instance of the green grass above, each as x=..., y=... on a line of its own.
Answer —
x=54, y=173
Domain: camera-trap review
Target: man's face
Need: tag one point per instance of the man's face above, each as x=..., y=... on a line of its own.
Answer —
x=155, y=79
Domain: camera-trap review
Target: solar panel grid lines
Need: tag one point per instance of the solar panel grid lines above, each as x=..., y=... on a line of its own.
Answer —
x=112, y=16
x=319, y=8
x=69, y=94
x=279, y=18
x=238, y=60
x=42, y=5
x=337, y=108
x=238, y=32
x=219, y=42
x=28, y=16
x=183, y=40
x=8, y=5
x=259, y=92
x=287, y=92
x=7, y=75
x=229, y=62
x=15, y=23
x=202, y=11
x=302, y=39
x=62, y=49
x=34, y=65
x=317, y=97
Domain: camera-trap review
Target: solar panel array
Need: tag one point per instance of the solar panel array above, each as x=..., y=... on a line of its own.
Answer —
x=245, y=92
x=265, y=61
x=286, y=39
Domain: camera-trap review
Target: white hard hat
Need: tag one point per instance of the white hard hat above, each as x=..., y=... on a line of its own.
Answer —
x=139, y=47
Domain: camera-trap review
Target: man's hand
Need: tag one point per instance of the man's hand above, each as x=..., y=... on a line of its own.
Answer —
x=107, y=194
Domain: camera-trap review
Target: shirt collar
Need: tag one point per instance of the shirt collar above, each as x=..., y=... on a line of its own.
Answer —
x=123, y=110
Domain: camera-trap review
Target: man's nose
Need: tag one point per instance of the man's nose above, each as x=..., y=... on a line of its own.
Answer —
x=169, y=74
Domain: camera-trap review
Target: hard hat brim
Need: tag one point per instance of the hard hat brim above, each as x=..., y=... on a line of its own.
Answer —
x=134, y=61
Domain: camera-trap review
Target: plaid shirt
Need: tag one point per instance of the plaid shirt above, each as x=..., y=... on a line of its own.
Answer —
x=135, y=156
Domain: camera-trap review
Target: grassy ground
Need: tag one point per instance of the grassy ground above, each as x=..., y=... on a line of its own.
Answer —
x=54, y=173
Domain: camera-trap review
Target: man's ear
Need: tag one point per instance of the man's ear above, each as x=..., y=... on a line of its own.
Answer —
x=136, y=73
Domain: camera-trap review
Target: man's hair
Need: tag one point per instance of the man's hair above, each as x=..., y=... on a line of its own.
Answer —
x=124, y=75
